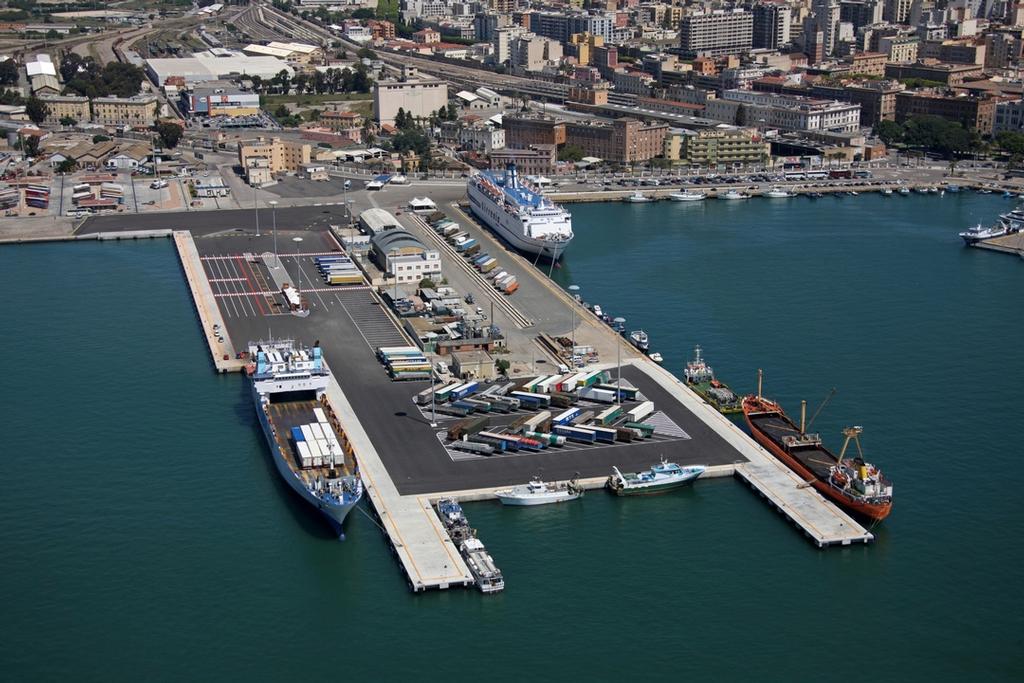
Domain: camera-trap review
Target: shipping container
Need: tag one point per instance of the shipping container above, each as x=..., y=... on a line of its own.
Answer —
x=468, y=407
x=575, y=433
x=625, y=393
x=307, y=433
x=583, y=418
x=464, y=390
x=560, y=400
x=532, y=400
x=508, y=442
x=452, y=410
x=609, y=415
x=535, y=422
x=552, y=439
x=445, y=392
x=473, y=447
x=318, y=433
x=603, y=434
x=297, y=434
x=565, y=417
x=481, y=406
x=321, y=416
x=645, y=429
x=469, y=426
x=598, y=395
x=640, y=412
x=305, y=456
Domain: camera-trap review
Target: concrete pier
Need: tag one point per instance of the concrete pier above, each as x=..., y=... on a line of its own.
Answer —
x=223, y=352
x=822, y=521
x=426, y=553
x=1008, y=244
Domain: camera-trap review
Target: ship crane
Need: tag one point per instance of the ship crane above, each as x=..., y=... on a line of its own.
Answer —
x=852, y=433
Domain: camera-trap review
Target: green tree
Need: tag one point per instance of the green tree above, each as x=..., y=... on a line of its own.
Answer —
x=571, y=153
x=1011, y=143
x=366, y=53
x=502, y=366
x=67, y=121
x=8, y=72
x=169, y=132
x=400, y=118
x=99, y=138
x=67, y=166
x=30, y=145
x=889, y=132
x=36, y=110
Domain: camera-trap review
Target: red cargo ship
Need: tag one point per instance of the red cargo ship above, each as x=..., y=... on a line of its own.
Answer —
x=851, y=483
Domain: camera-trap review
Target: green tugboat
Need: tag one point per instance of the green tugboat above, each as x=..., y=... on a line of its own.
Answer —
x=701, y=378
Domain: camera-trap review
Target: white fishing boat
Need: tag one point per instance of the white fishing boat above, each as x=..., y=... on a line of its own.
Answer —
x=779, y=193
x=887, y=192
x=734, y=194
x=687, y=196
x=637, y=198
x=538, y=492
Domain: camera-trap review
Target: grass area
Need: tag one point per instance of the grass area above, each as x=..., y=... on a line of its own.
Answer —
x=363, y=108
x=314, y=100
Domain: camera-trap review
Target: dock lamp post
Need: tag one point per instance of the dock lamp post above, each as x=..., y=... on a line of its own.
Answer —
x=298, y=241
x=572, y=307
x=256, y=206
x=618, y=362
x=273, y=207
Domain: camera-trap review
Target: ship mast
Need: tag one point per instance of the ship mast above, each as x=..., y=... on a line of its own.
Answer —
x=820, y=408
x=760, y=376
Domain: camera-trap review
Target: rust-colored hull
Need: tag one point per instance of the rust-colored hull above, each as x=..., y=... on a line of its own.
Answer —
x=876, y=512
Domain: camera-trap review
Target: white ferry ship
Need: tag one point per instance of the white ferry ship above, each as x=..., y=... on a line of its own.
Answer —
x=524, y=218
x=309, y=448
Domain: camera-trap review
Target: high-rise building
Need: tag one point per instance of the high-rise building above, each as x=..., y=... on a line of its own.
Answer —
x=826, y=17
x=896, y=11
x=716, y=33
x=861, y=12
x=771, y=25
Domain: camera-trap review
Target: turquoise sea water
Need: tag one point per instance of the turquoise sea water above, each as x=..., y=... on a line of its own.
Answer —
x=145, y=534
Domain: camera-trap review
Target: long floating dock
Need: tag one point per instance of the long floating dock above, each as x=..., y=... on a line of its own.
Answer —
x=223, y=352
x=424, y=549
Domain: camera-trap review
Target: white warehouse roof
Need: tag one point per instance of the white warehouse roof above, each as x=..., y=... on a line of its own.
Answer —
x=206, y=67
x=40, y=69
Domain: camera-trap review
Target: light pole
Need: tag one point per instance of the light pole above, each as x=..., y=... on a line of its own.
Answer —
x=256, y=206
x=273, y=207
x=433, y=410
x=618, y=362
x=298, y=241
x=348, y=208
x=572, y=307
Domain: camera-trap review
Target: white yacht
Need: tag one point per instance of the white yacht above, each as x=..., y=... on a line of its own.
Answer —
x=779, y=193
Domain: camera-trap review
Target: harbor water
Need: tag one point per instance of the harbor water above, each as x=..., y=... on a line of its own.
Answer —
x=146, y=533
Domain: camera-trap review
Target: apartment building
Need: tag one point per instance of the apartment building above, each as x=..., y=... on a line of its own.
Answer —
x=719, y=32
x=262, y=158
x=771, y=25
x=716, y=146
x=625, y=141
x=977, y=113
x=66, y=106
x=140, y=110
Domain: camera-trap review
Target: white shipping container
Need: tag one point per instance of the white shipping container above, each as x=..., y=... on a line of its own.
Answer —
x=305, y=456
x=318, y=433
x=314, y=450
x=321, y=416
x=307, y=433
x=640, y=413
